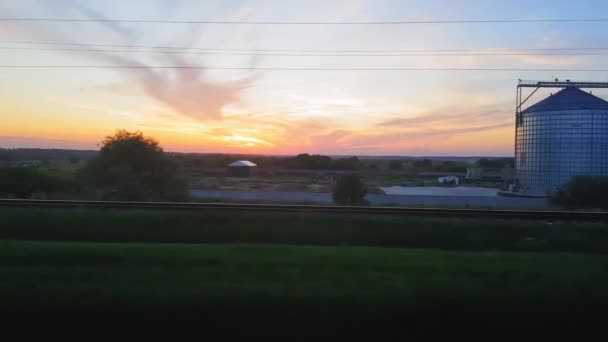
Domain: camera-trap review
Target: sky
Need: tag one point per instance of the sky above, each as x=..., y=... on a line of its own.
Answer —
x=418, y=113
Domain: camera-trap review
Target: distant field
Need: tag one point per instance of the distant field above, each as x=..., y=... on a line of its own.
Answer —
x=279, y=183
x=50, y=165
x=314, y=183
x=273, y=279
x=303, y=229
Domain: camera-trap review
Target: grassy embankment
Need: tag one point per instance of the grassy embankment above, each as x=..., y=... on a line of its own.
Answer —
x=242, y=267
x=303, y=229
x=122, y=276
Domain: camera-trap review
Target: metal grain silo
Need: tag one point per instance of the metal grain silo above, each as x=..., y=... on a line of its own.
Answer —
x=559, y=137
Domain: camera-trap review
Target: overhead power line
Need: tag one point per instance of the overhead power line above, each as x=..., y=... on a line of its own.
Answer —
x=507, y=49
x=398, y=22
x=287, y=68
x=369, y=54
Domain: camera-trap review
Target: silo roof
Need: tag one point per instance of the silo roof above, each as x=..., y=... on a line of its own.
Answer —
x=570, y=98
x=242, y=163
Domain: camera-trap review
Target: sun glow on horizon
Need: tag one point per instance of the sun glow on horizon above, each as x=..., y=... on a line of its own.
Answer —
x=237, y=101
x=241, y=140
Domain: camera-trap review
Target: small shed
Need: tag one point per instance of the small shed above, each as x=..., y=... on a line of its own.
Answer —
x=241, y=168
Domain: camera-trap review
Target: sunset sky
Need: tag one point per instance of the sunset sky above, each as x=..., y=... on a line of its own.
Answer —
x=282, y=111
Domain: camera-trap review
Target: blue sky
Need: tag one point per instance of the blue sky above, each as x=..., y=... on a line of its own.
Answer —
x=358, y=112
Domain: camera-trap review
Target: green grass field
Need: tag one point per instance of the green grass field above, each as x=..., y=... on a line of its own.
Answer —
x=313, y=272
x=87, y=275
x=303, y=229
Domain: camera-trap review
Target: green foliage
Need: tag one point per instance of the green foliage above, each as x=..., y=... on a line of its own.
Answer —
x=26, y=181
x=583, y=192
x=349, y=190
x=351, y=163
x=5, y=155
x=494, y=163
x=40, y=154
x=195, y=160
x=286, y=285
x=319, y=162
x=131, y=166
x=303, y=229
x=424, y=164
x=307, y=161
x=200, y=272
x=446, y=166
x=452, y=166
x=395, y=165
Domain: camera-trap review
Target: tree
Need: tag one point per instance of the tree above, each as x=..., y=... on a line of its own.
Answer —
x=423, y=164
x=395, y=165
x=5, y=155
x=583, y=192
x=351, y=163
x=131, y=166
x=452, y=166
x=26, y=181
x=494, y=163
x=307, y=161
x=349, y=190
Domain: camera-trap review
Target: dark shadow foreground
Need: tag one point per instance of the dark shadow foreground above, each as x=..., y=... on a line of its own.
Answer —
x=291, y=320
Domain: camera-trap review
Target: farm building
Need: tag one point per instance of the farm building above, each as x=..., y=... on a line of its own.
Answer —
x=561, y=136
x=242, y=168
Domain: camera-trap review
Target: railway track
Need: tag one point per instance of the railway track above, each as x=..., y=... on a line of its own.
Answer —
x=239, y=207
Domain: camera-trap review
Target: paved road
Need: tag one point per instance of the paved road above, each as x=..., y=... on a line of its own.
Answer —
x=404, y=200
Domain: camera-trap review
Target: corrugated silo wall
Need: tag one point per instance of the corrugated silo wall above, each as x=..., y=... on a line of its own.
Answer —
x=551, y=147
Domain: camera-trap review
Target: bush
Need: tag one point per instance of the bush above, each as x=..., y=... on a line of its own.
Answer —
x=25, y=181
x=427, y=165
x=583, y=192
x=5, y=155
x=395, y=165
x=133, y=167
x=350, y=190
x=351, y=163
x=498, y=163
x=307, y=161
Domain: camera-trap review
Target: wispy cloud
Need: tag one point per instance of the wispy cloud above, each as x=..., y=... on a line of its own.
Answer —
x=186, y=91
x=328, y=140
x=412, y=136
x=189, y=92
x=448, y=117
x=97, y=15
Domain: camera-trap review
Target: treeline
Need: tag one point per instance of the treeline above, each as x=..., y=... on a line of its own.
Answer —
x=497, y=163
x=41, y=154
x=129, y=166
x=301, y=161
x=322, y=162
x=588, y=192
x=27, y=181
x=5, y=155
x=429, y=165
